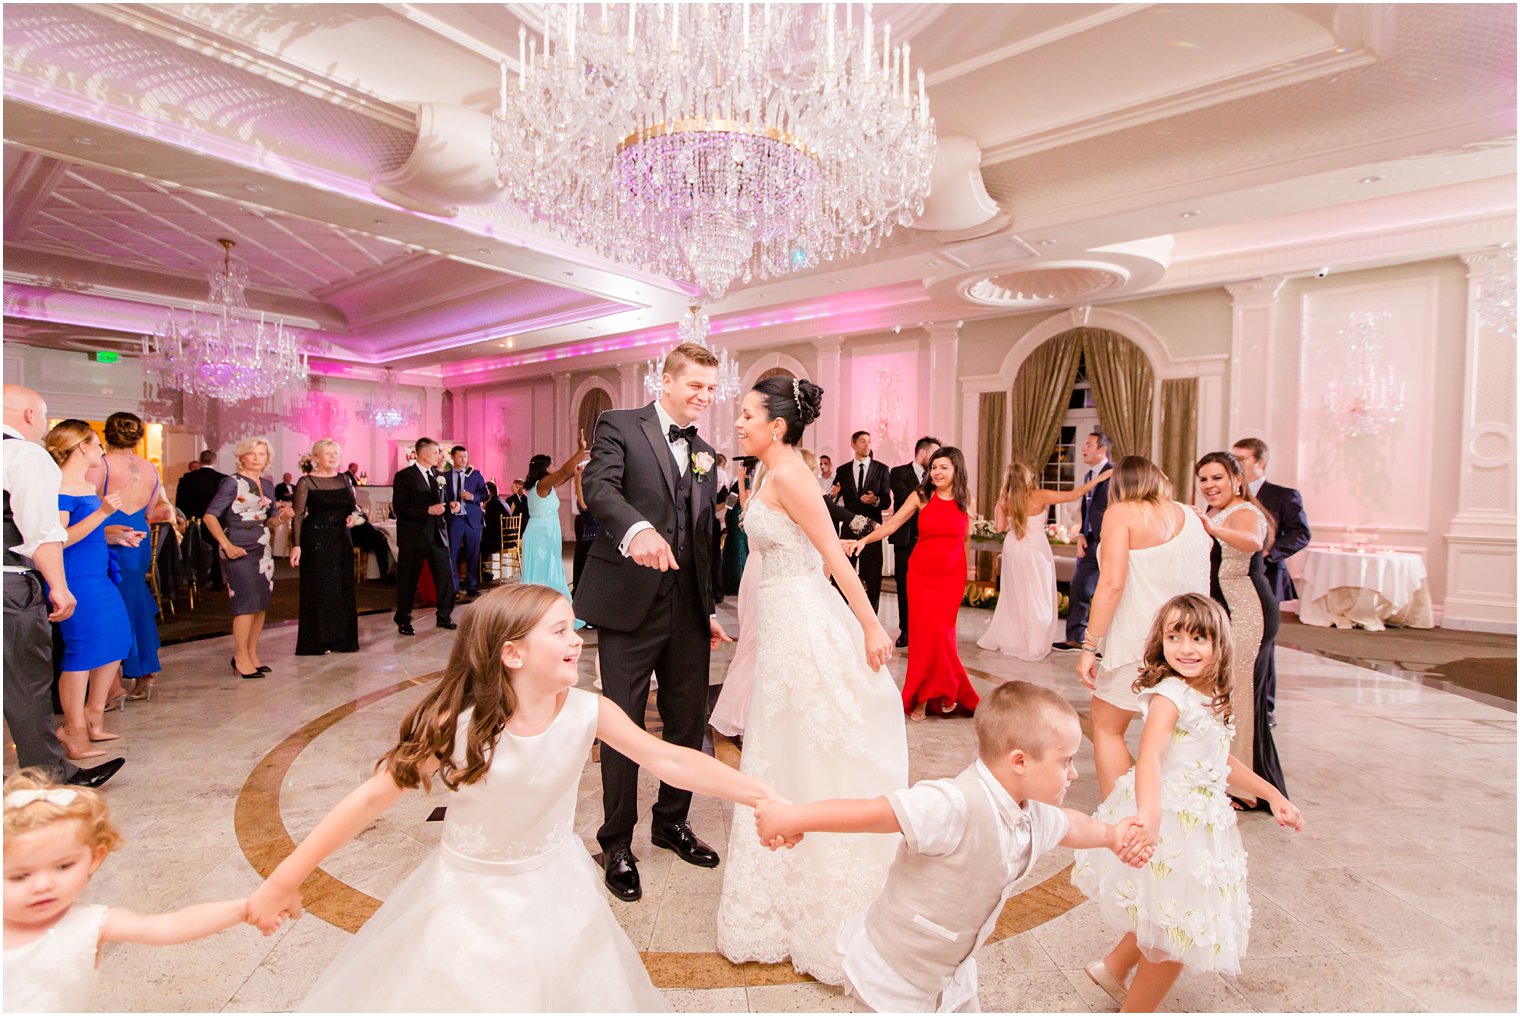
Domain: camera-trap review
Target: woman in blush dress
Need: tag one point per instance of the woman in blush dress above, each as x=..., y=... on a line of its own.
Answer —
x=239, y=519
x=936, y=587
x=144, y=503
x=324, y=509
x=1152, y=549
x=98, y=635
x=1242, y=530
x=1026, y=619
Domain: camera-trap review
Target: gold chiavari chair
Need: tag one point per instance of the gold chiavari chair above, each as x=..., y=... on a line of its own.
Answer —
x=511, y=542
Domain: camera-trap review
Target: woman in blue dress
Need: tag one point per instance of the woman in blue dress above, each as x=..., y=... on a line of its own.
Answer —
x=143, y=503
x=98, y=635
x=543, y=554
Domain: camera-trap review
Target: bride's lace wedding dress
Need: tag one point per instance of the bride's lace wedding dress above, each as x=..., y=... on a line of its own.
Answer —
x=821, y=724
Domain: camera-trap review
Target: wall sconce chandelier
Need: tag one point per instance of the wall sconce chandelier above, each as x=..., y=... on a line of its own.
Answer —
x=1365, y=401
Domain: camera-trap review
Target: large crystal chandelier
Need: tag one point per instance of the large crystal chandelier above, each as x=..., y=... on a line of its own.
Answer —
x=1496, y=294
x=1365, y=400
x=715, y=142
x=223, y=352
x=387, y=410
x=695, y=326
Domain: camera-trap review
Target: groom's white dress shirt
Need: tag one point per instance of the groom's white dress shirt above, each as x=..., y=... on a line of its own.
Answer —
x=680, y=450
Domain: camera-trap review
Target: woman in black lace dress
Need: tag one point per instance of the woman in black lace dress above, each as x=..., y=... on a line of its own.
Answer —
x=323, y=553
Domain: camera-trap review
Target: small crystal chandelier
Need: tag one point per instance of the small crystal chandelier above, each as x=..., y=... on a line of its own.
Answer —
x=387, y=411
x=695, y=326
x=223, y=353
x=1366, y=401
x=714, y=143
x=1496, y=294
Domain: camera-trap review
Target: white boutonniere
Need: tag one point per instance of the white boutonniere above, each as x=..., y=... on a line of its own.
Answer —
x=438, y=479
x=701, y=465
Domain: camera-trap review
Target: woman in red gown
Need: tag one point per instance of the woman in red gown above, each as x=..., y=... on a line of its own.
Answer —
x=937, y=680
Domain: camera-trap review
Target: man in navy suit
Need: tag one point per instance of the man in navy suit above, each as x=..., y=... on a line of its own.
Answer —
x=467, y=489
x=1287, y=508
x=1097, y=450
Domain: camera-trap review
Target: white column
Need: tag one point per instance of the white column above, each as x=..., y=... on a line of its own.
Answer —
x=1480, y=544
x=944, y=339
x=1211, y=434
x=564, y=439
x=828, y=438
x=630, y=386
x=1252, y=337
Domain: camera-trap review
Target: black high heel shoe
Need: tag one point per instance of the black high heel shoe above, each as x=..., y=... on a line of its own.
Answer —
x=247, y=677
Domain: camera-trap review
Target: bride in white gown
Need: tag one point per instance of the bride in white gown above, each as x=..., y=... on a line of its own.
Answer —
x=825, y=717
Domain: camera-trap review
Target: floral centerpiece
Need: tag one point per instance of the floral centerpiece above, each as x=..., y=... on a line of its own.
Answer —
x=982, y=529
x=1058, y=534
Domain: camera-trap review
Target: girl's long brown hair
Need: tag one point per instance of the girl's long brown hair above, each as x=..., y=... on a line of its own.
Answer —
x=1191, y=614
x=474, y=676
x=1237, y=477
x=960, y=488
x=1018, y=481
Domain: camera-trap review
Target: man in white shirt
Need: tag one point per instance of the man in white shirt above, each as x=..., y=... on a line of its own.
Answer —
x=34, y=541
x=827, y=481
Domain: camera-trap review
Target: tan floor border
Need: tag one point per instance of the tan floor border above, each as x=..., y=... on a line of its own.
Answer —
x=265, y=842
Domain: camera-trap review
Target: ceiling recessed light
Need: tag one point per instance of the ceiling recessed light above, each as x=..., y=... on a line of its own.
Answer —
x=569, y=275
x=838, y=282
x=253, y=188
x=933, y=263
x=381, y=222
x=87, y=142
x=1047, y=243
x=1191, y=214
x=1371, y=179
x=481, y=250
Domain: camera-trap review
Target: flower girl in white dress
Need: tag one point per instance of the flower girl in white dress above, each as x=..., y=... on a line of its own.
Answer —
x=507, y=914
x=55, y=839
x=1187, y=908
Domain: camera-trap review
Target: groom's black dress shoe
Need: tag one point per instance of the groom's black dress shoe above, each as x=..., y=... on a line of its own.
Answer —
x=405, y=629
x=622, y=874
x=95, y=777
x=684, y=842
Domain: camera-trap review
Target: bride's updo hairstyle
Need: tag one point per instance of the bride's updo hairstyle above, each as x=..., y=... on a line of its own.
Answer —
x=792, y=400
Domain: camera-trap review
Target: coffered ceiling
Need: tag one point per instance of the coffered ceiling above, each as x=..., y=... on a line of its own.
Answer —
x=1130, y=148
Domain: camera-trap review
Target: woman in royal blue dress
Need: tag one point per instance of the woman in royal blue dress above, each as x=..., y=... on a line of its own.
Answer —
x=143, y=504
x=98, y=635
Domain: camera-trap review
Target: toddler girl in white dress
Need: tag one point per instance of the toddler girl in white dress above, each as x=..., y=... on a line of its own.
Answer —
x=1187, y=908
x=55, y=838
x=508, y=914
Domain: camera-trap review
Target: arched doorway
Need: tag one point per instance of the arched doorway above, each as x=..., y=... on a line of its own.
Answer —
x=594, y=403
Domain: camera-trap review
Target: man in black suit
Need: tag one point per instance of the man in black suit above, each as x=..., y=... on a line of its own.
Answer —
x=285, y=490
x=1097, y=451
x=647, y=587
x=1287, y=508
x=904, y=480
x=192, y=496
x=422, y=534
x=864, y=489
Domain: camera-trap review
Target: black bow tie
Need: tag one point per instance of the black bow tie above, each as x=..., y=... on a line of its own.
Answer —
x=687, y=434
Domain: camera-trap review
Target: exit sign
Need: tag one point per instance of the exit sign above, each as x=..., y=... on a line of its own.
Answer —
x=105, y=356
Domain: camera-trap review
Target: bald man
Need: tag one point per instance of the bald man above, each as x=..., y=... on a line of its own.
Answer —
x=33, y=552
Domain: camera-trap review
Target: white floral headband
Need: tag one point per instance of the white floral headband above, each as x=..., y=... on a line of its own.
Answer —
x=62, y=797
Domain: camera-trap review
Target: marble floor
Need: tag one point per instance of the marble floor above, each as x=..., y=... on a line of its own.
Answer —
x=1400, y=895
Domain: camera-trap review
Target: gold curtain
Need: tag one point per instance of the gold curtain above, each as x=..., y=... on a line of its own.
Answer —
x=1123, y=386
x=1040, y=394
x=1179, y=433
x=992, y=427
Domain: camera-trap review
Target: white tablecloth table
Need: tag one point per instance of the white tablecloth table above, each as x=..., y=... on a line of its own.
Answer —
x=372, y=563
x=1346, y=589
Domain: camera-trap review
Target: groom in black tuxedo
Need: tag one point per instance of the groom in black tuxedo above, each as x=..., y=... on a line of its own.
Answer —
x=647, y=587
x=422, y=534
x=865, y=489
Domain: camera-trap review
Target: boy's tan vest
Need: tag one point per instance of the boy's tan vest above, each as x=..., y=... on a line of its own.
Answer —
x=926, y=919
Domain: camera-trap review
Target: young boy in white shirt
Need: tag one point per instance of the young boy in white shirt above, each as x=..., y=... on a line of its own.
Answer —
x=967, y=842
